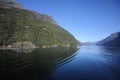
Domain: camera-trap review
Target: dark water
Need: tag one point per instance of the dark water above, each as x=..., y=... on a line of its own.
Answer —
x=85, y=63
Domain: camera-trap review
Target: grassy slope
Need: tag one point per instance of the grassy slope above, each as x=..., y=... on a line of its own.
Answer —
x=22, y=25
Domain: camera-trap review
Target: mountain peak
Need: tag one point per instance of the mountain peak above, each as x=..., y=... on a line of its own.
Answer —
x=10, y=4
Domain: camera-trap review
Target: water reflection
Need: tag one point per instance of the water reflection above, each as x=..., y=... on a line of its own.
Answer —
x=88, y=63
x=111, y=50
x=112, y=59
x=91, y=63
x=32, y=64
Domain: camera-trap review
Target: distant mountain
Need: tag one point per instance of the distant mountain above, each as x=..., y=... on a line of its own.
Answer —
x=88, y=43
x=112, y=40
x=21, y=28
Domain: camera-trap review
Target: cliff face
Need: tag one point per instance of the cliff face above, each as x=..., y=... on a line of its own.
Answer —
x=21, y=28
x=112, y=40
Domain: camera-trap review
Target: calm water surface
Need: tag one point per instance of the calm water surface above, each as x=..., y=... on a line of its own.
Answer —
x=85, y=63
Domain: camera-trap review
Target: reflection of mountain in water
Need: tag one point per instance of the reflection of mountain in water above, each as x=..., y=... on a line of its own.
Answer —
x=111, y=50
x=91, y=63
x=35, y=64
x=111, y=56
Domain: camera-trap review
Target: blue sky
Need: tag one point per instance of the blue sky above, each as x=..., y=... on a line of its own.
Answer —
x=86, y=20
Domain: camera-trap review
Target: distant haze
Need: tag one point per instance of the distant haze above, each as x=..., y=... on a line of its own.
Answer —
x=87, y=20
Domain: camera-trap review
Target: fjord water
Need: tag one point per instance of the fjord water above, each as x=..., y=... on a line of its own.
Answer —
x=84, y=63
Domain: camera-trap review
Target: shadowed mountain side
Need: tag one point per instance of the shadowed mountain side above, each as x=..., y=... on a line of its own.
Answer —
x=112, y=40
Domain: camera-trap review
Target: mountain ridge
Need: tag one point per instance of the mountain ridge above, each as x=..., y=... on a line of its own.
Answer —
x=112, y=40
x=10, y=4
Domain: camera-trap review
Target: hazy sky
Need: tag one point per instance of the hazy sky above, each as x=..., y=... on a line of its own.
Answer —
x=87, y=20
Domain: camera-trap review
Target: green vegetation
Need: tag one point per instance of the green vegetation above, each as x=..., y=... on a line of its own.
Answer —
x=18, y=25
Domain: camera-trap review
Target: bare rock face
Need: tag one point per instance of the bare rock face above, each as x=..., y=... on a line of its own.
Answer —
x=10, y=4
x=22, y=44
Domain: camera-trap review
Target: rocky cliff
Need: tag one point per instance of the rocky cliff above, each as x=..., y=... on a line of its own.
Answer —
x=112, y=40
x=21, y=28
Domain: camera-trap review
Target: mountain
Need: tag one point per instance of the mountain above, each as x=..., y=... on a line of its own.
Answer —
x=88, y=43
x=21, y=28
x=112, y=40
x=10, y=4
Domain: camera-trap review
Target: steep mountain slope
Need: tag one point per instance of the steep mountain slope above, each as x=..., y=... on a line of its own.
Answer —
x=112, y=40
x=21, y=28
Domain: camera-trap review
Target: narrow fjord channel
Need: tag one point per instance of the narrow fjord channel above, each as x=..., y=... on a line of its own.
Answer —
x=85, y=63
